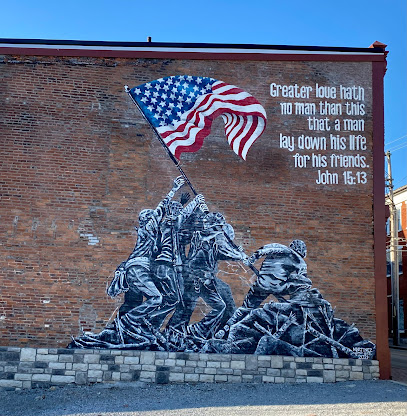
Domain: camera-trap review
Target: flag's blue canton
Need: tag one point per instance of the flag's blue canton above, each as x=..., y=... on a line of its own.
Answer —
x=164, y=101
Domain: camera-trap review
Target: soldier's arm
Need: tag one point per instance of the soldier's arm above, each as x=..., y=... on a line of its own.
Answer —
x=178, y=183
x=198, y=201
x=227, y=250
x=160, y=210
x=273, y=248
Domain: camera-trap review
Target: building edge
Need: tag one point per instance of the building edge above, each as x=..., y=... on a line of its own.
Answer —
x=382, y=342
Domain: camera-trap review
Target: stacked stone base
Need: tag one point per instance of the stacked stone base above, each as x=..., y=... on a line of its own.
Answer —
x=25, y=368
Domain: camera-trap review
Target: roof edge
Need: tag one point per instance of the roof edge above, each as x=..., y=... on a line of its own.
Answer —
x=374, y=48
x=400, y=190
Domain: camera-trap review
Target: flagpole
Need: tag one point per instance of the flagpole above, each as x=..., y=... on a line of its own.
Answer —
x=172, y=157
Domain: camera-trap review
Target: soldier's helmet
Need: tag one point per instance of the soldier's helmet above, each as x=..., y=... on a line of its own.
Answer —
x=174, y=208
x=213, y=219
x=144, y=216
x=299, y=247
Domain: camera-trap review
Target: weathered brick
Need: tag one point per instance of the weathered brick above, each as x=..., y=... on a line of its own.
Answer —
x=62, y=379
x=207, y=378
x=192, y=378
x=28, y=354
x=238, y=365
x=177, y=377
x=329, y=376
x=132, y=360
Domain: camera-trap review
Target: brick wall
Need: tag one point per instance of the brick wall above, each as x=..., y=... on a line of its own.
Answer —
x=79, y=163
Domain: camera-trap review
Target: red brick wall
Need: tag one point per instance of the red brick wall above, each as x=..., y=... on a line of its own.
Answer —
x=77, y=158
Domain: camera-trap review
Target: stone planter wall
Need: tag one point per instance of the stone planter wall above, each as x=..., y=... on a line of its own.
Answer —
x=24, y=368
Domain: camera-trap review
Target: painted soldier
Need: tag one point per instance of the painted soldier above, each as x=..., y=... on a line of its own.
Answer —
x=283, y=272
x=168, y=266
x=134, y=277
x=208, y=246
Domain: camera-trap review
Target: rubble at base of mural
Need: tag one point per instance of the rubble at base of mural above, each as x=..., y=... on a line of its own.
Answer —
x=24, y=368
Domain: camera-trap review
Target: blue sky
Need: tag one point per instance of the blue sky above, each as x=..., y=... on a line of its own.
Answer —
x=356, y=23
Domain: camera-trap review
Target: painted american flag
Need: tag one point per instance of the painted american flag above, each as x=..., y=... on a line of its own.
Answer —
x=182, y=109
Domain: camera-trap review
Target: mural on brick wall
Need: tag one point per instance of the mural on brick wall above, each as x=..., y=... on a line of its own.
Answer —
x=180, y=243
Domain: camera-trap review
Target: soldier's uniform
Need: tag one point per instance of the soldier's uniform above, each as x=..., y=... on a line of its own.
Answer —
x=207, y=248
x=283, y=272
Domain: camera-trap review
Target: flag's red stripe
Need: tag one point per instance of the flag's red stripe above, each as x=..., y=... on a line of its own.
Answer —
x=207, y=102
x=199, y=138
x=245, y=121
x=239, y=103
x=200, y=135
x=248, y=135
x=181, y=127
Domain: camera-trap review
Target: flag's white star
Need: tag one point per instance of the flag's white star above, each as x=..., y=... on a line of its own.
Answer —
x=172, y=96
x=147, y=92
x=196, y=88
x=192, y=94
x=137, y=91
x=166, y=87
x=177, y=84
x=164, y=96
x=179, y=114
x=148, y=85
x=150, y=108
x=189, y=78
x=156, y=95
x=168, y=112
x=144, y=99
x=198, y=80
x=154, y=100
x=179, y=105
x=171, y=105
x=188, y=100
x=157, y=87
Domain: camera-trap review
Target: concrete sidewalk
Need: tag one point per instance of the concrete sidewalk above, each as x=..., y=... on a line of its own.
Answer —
x=135, y=399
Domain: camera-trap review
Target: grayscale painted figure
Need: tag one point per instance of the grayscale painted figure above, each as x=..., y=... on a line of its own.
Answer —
x=135, y=279
x=137, y=267
x=207, y=247
x=168, y=265
x=283, y=272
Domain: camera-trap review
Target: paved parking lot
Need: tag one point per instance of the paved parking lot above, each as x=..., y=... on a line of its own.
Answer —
x=135, y=399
